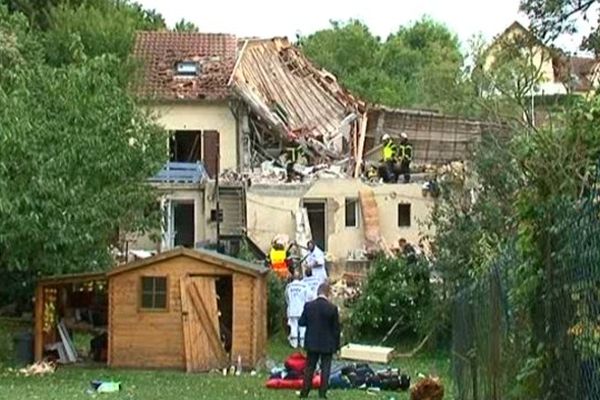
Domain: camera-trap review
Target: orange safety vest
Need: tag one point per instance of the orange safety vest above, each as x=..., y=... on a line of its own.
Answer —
x=278, y=262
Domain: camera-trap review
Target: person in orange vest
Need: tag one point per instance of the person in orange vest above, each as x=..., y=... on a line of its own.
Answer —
x=278, y=260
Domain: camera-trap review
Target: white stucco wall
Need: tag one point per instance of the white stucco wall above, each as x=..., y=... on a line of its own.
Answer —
x=203, y=116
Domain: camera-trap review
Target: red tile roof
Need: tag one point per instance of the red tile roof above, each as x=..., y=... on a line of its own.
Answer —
x=160, y=52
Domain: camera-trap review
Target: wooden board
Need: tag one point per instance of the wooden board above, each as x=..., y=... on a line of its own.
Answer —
x=202, y=341
x=359, y=352
x=370, y=216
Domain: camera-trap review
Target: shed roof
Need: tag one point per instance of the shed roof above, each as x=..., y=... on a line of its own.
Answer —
x=72, y=278
x=161, y=51
x=212, y=257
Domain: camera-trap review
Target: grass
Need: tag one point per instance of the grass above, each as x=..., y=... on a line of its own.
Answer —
x=71, y=383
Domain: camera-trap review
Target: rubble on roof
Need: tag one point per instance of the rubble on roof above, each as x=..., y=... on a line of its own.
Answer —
x=161, y=51
x=291, y=102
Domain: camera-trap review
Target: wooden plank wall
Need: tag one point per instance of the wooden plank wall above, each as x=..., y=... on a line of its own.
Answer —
x=150, y=339
x=436, y=138
x=243, y=319
x=154, y=339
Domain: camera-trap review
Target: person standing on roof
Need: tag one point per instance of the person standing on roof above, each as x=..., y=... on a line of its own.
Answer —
x=316, y=261
x=312, y=283
x=388, y=159
x=404, y=155
x=295, y=296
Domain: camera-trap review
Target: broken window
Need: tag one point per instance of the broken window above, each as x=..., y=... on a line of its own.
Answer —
x=187, y=68
x=195, y=146
x=404, y=214
x=351, y=208
x=185, y=146
x=154, y=292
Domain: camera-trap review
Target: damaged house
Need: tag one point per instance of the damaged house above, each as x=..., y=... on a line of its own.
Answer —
x=184, y=83
x=263, y=142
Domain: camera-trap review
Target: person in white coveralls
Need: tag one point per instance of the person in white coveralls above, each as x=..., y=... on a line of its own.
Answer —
x=296, y=293
x=312, y=283
x=316, y=261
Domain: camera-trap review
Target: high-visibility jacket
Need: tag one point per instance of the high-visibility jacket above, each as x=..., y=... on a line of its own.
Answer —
x=405, y=152
x=389, y=150
x=294, y=153
x=278, y=262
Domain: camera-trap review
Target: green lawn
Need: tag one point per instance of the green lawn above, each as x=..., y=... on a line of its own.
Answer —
x=72, y=382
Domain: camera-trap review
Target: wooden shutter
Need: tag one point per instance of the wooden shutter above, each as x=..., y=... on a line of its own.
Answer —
x=210, y=152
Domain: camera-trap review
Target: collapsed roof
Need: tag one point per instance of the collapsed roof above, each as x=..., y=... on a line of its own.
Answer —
x=298, y=101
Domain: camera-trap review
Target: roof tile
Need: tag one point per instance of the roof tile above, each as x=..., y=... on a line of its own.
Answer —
x=161, y=51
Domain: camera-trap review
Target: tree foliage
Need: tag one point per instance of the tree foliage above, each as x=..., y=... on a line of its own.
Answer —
x=420, y=65
x=185, y=26
x=75, y=153
x=551, y=18
x=95, y=28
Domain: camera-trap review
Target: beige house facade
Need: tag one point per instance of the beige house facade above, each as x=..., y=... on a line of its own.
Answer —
x=335, y=215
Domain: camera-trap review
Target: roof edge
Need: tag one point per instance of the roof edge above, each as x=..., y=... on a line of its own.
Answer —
x=202, y=255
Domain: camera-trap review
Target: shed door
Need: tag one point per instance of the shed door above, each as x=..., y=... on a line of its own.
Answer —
x=204, y=349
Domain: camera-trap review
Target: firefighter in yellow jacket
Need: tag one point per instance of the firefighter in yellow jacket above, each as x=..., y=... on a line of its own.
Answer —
x=387, y=170
x=404, y=157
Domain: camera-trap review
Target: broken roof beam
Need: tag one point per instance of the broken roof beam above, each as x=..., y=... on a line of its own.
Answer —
x=262, y=110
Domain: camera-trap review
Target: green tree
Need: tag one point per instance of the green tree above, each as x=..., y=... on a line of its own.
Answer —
x=418, y=66
x=551, y=18
x=75, y=153
x=186, y=26
x=95, y=28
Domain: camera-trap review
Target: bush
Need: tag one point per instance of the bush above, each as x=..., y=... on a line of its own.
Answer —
x=395, y=291
x=275, y=303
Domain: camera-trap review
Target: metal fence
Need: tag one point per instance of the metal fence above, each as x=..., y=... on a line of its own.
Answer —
x=511, y=345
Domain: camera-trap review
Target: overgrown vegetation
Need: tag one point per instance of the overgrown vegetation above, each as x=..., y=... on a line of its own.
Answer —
x=396, y=294
x=75, y=153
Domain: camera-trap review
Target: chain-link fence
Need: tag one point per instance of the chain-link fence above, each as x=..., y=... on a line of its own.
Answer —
x=510, y=344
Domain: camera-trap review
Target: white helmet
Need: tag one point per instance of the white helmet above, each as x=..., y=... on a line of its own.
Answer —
x=403, y=135
x=385, y=137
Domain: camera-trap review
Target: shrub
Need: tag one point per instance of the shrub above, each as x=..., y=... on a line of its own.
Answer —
x=395, y=291
x=275, y=303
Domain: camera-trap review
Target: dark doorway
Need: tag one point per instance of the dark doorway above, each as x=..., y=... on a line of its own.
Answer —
x=210, y=152
x=316, y=219
x=225, y=307
x=184, y=224
x=185, y=146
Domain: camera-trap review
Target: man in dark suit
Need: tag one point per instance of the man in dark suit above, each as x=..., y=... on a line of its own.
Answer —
x=322, y=338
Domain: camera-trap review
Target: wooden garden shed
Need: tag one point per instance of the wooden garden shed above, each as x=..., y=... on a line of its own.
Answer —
x=187, y=309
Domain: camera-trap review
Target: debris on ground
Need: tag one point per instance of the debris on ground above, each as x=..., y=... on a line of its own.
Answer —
x=347, y=289
x=429, y=388
x=38, y=368
x=99, y=386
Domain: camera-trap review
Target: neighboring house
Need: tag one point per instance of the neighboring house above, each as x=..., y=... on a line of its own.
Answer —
x=559, y=73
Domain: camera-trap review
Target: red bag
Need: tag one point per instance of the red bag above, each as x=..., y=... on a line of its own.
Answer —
x=296, y=362
x=278, y=383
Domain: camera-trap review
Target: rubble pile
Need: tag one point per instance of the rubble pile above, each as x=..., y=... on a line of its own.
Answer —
x=39, y=368
x=347, y=290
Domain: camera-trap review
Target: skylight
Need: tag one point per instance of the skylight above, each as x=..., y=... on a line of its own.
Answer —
x=187, y=68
